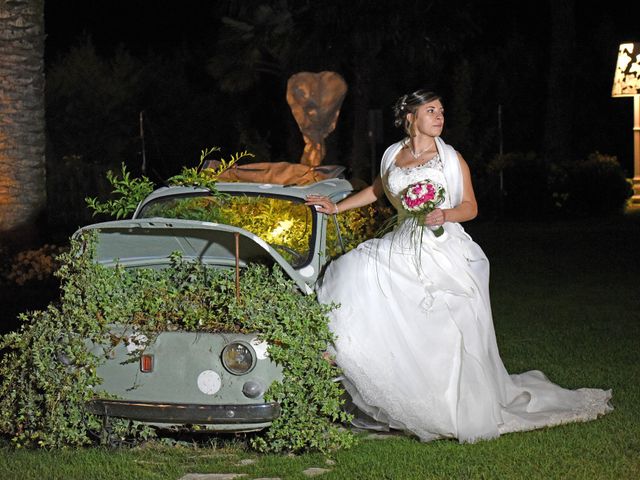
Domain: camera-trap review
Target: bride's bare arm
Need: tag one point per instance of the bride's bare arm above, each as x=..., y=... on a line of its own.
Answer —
x=364, y=197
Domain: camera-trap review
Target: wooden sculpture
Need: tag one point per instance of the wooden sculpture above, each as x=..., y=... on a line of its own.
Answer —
x=315, y=100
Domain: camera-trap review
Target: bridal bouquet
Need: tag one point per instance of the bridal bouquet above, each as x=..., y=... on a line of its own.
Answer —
x=421, y=198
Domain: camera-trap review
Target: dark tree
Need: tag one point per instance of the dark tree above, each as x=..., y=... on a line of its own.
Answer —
x=557, y=145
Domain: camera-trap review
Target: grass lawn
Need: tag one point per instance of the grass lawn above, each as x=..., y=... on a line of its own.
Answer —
x=566, y=300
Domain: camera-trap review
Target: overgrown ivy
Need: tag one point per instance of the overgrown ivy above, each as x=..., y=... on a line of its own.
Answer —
x=48, y=373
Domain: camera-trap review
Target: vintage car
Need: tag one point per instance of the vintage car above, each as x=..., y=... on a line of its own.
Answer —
x=214, y=380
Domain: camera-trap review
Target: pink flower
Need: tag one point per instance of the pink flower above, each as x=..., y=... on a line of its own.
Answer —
x=422, y=198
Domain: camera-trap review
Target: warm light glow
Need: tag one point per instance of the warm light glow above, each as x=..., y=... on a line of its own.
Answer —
x=626, y=81
x=282, y=229
x=8, y=183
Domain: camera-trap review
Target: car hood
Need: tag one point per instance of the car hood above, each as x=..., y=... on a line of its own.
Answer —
x=150, y=243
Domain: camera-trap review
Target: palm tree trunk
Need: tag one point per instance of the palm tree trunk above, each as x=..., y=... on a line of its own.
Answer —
x=22, y=124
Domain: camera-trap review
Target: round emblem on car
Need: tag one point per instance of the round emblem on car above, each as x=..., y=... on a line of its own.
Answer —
x=260, y=348
x=209, y=382
x=307, y=271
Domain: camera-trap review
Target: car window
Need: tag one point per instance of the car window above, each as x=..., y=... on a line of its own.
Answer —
x=284, y=223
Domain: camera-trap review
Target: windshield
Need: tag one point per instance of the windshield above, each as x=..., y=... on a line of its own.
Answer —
x=284, y=223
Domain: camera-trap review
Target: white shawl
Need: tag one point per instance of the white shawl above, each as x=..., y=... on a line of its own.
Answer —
x=450, y=161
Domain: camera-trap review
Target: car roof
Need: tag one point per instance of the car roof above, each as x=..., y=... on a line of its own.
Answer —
x=323, y=187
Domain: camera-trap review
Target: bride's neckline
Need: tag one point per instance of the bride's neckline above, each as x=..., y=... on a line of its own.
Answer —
x=405, y=144
x=419, y=165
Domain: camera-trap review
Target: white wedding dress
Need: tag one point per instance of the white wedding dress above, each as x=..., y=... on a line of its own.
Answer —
x=414, y=331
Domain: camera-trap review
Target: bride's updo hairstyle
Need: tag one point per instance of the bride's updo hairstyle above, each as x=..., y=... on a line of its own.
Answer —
x=409, y=104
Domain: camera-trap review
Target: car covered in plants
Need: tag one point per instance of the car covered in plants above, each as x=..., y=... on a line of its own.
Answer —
x=172, y=360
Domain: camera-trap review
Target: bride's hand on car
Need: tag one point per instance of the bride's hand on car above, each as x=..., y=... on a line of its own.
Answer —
x=322, y=204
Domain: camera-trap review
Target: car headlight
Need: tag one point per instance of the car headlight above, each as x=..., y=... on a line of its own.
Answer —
x=238, y=358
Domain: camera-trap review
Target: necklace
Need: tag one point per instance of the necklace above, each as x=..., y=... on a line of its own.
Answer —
x=421, y=152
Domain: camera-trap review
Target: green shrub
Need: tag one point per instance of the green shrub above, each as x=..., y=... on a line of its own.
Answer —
x=33, y=265
x=596, y=186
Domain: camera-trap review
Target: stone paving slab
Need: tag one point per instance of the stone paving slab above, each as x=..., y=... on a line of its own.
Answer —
x=315, y=471
x=309, y=472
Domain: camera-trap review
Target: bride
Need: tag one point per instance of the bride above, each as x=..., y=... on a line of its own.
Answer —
x=414, y=332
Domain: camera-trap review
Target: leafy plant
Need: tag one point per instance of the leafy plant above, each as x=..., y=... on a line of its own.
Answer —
x=48, y=373
x=129, y=192
x=356, y=226
x=280, y=222
x=206, y=177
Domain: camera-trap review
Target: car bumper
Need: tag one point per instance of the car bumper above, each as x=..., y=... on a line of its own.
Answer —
x=181, y=413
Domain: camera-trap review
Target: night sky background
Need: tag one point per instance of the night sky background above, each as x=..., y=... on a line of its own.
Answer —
x=506, y=46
